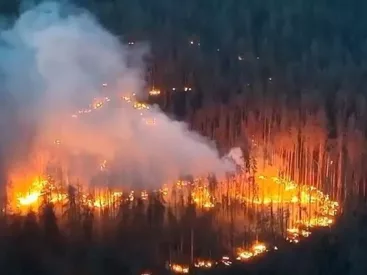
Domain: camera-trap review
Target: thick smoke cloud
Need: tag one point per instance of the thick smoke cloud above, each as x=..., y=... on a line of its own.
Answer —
x=52, y=63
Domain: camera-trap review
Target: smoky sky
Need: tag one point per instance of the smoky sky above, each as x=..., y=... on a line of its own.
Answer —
x=53, y=61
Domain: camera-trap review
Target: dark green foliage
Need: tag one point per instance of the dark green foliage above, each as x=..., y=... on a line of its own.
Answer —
x=306, y=45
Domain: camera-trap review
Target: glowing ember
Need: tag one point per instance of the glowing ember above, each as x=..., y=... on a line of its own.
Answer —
x=97, y=105
x=180, y=269
x=150, y=121
x=294, y=234
x=226, y=261
x=103, y=165
x=140, y=106
x=204, y=264
x=256, y=249
x=144, y=195
x=154, y=92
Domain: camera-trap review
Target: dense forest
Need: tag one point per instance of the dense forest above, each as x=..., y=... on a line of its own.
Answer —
x=283, y=79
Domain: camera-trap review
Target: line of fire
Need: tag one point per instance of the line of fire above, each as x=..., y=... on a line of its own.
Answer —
x=284, y=187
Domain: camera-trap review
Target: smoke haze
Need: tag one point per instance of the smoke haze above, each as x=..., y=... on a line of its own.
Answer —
x=52, y=63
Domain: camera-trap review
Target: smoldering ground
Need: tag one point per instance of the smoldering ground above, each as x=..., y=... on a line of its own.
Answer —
x=53, y=61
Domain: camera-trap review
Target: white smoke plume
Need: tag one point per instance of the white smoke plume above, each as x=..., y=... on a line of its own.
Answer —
x=52, y=63
x=236, y=155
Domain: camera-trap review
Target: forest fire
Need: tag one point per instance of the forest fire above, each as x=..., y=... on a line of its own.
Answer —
x=305, y=206
x=259, y=192
x=285, y=193
x=275, y=192
x=119, y=177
